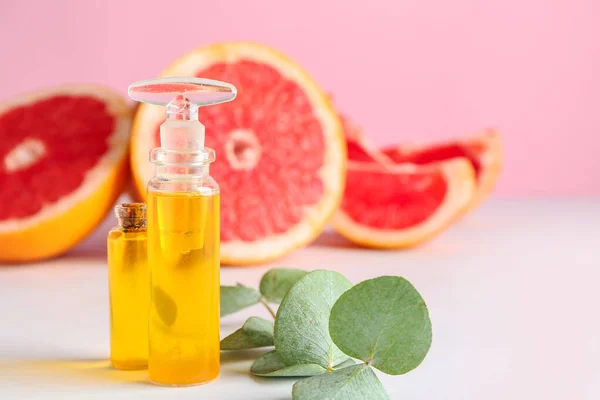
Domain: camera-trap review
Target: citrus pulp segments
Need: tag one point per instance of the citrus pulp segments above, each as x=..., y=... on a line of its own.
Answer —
x=331, y=172
x=484, y=150
x=458, y=176
x=60, y=225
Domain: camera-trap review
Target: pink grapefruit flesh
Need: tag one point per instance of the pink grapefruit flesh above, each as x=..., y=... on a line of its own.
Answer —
x=400, y=206
x=359, y=147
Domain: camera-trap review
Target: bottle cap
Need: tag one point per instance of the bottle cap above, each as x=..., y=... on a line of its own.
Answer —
x=182, y=97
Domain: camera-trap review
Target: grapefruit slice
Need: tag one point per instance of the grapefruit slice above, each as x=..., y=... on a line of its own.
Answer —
x=280, y=150
x=403, y=205
x=483, y=150
x=63, y=163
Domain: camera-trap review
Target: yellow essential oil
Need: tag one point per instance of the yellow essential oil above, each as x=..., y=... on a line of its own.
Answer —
x=128, y=285
x=183, y=253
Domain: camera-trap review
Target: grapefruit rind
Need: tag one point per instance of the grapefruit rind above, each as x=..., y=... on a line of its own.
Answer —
x=460, y=179
x=332, y=173
x=61, y=225
x=491, y=166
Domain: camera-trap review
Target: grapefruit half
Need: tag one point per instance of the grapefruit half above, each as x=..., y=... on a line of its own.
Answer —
x=63, y=163
x=402, y=205
x=280, y=150
x=483, y=150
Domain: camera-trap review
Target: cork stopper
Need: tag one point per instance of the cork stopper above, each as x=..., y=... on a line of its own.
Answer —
x=131, y=215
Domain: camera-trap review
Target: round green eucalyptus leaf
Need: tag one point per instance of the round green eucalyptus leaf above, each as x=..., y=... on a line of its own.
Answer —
x=277, y=282
x=384, y=322
x=235, y=298
x=302, y=322
x=355, y=382
x=256, y=332
x=270, y=364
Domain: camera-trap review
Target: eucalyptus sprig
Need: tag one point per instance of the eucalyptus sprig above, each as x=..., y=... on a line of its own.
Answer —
x=273, y=286
x=324, y=323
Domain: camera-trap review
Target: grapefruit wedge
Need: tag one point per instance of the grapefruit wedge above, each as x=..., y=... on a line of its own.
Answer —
x=403, y=205
x=398, y=205
x=63, y=163
x=280, y=150
x=483, y=150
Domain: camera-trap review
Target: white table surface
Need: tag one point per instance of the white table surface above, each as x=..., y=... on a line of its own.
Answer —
x=513, y=291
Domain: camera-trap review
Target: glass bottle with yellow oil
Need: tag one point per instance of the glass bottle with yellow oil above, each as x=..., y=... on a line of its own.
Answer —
x=128, y=287
x=183, y=235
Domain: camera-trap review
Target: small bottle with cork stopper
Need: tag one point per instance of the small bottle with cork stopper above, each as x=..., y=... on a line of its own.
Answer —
x=129, y=288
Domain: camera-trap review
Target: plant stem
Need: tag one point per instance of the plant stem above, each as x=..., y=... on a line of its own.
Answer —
x=266, y=304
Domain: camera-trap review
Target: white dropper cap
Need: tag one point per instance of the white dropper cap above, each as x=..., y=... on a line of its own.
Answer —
x=182, y=97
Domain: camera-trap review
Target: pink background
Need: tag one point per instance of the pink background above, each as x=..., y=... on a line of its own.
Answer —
x=428, y=70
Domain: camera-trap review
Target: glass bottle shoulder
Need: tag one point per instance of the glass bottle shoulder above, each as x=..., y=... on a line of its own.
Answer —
x=118, y=233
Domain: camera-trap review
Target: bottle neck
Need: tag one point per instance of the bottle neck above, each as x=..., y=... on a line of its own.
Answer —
x=181, y=171
x=182, y=164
